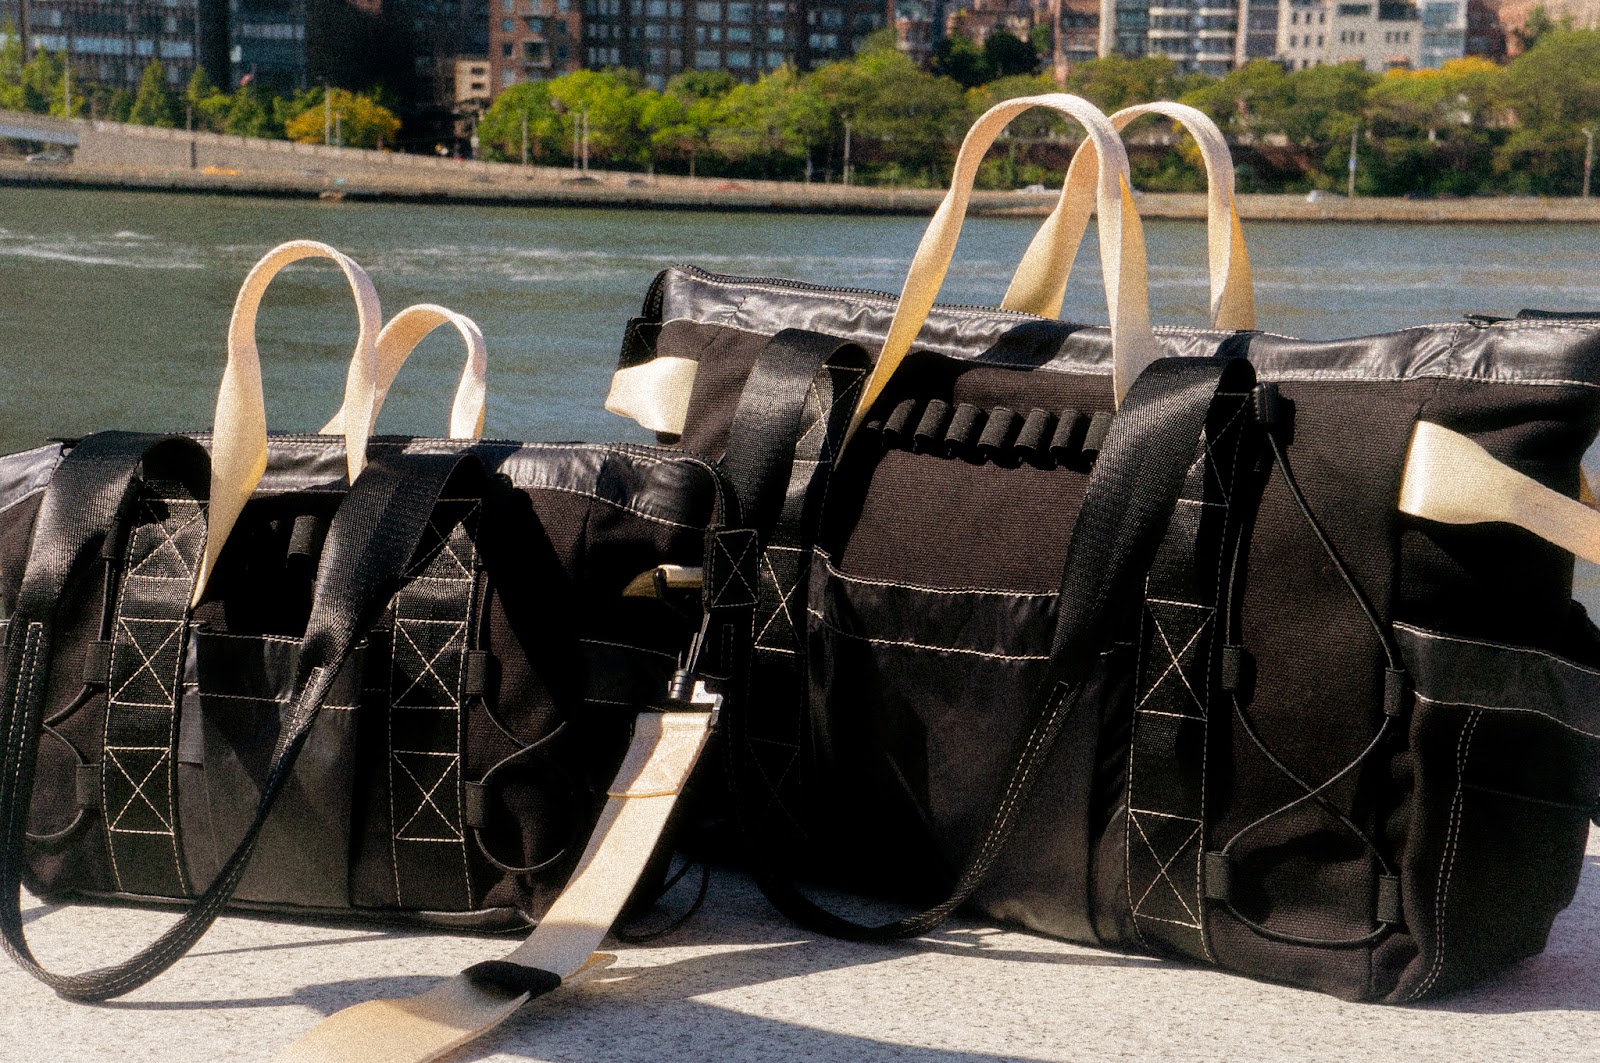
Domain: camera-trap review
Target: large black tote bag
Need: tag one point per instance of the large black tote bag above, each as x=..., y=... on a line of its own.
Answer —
x=1211, y=642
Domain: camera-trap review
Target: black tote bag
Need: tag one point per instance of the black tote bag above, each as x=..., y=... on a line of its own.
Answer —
x=1211, y=693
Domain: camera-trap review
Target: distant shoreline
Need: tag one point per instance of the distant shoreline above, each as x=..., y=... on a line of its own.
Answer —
x=513, y=187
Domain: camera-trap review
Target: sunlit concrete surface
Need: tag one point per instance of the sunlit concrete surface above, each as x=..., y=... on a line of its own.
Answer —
x=738, y=983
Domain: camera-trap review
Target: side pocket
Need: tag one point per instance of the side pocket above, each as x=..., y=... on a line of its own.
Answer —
x=1505, y=755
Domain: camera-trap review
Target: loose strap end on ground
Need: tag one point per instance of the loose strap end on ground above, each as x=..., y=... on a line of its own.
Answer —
x=658, y=763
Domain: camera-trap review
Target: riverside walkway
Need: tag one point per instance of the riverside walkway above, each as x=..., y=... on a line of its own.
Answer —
x=739, y=983
x=109, y=155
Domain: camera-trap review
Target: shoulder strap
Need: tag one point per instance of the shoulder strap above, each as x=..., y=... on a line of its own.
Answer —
x=1130, y=497
x=372, y=538
x=667, y=742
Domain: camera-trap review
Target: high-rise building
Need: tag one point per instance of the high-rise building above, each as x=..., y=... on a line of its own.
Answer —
x=532, y=40
x=1377, y=34
x=434, y=34
x=661, y=38
x=112, y=41
x=269, y=44
x=1444, y=31
x=1199, y=35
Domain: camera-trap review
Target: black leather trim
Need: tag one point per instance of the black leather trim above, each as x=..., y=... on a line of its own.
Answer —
x=1522, y=352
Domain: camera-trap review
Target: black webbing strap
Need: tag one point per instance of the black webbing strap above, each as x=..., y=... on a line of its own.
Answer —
x=370, y=543
x=1130, y=497
x=781, y=448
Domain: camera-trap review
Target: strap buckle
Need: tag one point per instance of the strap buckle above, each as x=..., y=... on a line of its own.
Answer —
x=687, y=691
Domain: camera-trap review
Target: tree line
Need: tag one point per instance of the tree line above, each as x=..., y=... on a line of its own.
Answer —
x=1471, y=127
x=41, y=85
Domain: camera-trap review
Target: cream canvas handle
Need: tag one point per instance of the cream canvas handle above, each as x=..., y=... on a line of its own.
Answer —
x=400, y=337
x=1122, y=254
x=1451, y=479
x=1040, y=284
x=239, y=440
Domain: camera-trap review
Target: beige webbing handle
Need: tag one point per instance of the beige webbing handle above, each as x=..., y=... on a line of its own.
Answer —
x=400, y=337
x=417, y=1029
x=1040, y=284
x=239, y=439
x=1451, y=479
x=1122, y=255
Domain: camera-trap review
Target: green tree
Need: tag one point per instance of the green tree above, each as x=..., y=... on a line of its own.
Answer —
x=500, y=129
x=1554, y=91
x=681, y=121
x=612, y=102
x=1115, y=82
x=154, y=104
x=1008, y=55
x=1536, y=26
x=360, y=120
x=957, y=57
x=250, y=113
x=11, y=93
x=767, y=122
x=208, y=104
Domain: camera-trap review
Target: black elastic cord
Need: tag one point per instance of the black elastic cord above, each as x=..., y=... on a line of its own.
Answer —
x=636, y=937
x=1318, y=793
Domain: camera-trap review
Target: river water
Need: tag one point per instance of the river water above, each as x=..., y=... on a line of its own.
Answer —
x=114, y=306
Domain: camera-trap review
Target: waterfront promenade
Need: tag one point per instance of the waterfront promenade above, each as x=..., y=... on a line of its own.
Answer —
x=108, y=155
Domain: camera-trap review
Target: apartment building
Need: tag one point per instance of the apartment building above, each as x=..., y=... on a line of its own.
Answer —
x=1201, y=36
x=112, y=41
x=1375, y=33
x=661, y=38
x=533, y=40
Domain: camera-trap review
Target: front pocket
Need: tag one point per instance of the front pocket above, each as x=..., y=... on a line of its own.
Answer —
x=238, y=689
x=918, y=696
x=1505, y=750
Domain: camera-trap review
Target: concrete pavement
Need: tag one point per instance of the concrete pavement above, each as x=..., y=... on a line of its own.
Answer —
x=738, y=983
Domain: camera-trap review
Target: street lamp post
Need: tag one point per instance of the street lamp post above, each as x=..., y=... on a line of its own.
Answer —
x=1588, y=158
x=1350, y=185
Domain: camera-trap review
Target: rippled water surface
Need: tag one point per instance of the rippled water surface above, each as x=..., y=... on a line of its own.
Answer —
x=114, y=306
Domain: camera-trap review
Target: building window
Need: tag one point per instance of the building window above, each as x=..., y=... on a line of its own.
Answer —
x=708, y=11
x=738, y=12
x=738, y=60
x=739, y=35
x=506, y=50
x=774, y=34
x=706, y=59
x=508, y=25
x=535, y=25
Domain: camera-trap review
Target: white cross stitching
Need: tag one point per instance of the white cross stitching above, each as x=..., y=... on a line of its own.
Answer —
x=428, y=802
x=428, y=671
x=146, y=664
x=154, y=525
x=138, y=793
x=736, y=567
x=1174, y=657
x=1163, y=866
